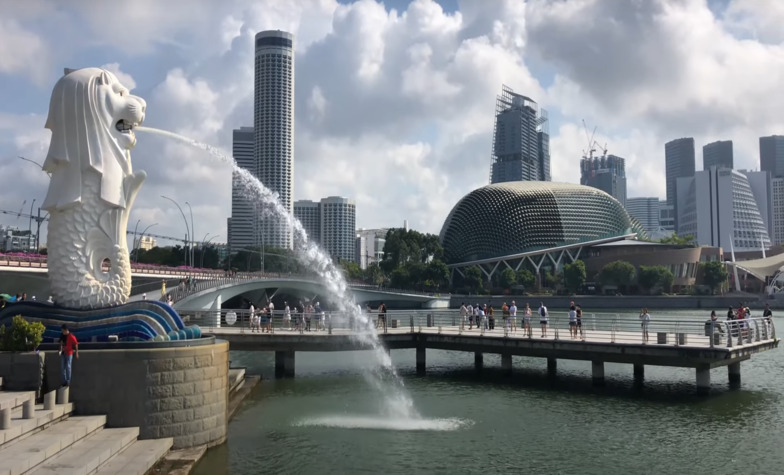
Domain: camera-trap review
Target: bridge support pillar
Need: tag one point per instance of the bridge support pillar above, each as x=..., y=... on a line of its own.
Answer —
x=506, y=363
x=552, y=366
x=421, y=358
x=284, y=364
x=639, y=373
x=216, y=307
x=703, y=380
x=479, y=358
x=597, y=373
x=733, y=371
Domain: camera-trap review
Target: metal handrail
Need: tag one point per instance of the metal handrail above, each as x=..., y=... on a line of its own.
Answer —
x=596, y=327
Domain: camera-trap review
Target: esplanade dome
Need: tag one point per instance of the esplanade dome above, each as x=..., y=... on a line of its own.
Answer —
x=521, y=216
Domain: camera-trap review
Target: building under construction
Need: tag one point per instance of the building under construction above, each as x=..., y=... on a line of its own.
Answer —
x=521, y=140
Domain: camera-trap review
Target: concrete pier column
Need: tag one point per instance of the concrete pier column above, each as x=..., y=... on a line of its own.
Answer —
x=552, y=366
x=284, y=364
x=639, y=373
x=597, y=373
x=733, y=371
x=421, y=359
x=703, y=380
x=216, y=308
x=478, y=360
x=506, y=363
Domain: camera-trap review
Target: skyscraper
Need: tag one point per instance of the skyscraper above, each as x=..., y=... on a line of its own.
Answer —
x=772, y=155
x=717, y=154
x=718, y=207
x=309, y=214
x=646, y=211
x=679, y=163
x=273, y=126
x=338, y=227
x=607, y=173
x=243, y=223
x=521, y=140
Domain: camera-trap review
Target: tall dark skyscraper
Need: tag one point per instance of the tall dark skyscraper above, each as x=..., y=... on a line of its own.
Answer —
x=679, y=163
x=521, y=140
x=717, y=154
x=772, y=155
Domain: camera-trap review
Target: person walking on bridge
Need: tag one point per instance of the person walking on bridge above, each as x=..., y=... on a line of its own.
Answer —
x=463, y=315
x=543, y=318
x=513, y=316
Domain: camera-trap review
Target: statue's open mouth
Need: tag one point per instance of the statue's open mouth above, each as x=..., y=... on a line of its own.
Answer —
x=124, y=127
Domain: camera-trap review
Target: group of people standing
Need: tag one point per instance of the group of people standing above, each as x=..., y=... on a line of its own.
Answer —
x=301, y=316
x=483, y=317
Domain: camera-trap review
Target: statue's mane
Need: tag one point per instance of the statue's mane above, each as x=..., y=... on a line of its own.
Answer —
x=81, y=140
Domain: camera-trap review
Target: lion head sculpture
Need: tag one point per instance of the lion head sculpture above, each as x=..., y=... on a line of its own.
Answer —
x=91, y=116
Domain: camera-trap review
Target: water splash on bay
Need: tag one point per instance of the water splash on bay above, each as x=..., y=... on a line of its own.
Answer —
x=397, y=404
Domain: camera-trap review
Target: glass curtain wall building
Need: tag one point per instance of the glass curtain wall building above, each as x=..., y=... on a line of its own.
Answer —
x=521, y=140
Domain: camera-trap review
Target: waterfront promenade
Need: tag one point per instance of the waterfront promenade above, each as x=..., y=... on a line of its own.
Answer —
x=606, y=338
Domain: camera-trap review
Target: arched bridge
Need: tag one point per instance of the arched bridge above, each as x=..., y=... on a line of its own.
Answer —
x=209, y=294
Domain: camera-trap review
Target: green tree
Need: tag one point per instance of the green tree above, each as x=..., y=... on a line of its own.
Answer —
x=619, y=273
x=714, y=274
x=687, y=240
x=399, y=278
x=574, y=275
x=507, y=278
x=438, y=274
x=553, y=279
x=649, y=277
x=351, y=270
x=374, y=275
x=526, y=278
x=473, y=279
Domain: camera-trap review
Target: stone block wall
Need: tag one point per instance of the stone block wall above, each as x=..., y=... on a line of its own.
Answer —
x=22, y=371
x=179, y=392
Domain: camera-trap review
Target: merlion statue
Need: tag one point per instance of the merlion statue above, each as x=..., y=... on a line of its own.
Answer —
x=92, y=189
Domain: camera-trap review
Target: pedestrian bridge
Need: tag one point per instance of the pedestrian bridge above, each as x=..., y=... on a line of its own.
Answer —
x=209, y=294
x=601, y=338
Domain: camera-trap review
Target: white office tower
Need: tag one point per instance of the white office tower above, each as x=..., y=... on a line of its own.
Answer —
x=309, y=214
x=646, y=211
x=717, y=205
x=370, y=246
x=273, y=126
x=243, y=222
x=338, y=227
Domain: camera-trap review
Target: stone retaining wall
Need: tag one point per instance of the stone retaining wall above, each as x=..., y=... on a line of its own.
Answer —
x=22, y=371
x=179, y=392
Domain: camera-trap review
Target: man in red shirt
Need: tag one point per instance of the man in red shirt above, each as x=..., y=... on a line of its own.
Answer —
x=68, y=348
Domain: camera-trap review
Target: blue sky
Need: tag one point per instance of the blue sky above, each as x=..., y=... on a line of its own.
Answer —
x=396, y=110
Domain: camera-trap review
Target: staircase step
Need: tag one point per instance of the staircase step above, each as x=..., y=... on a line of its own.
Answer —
x=138, y=458
x=22, y=455
x=14, y=399
x=21, y=428
x=86, y=456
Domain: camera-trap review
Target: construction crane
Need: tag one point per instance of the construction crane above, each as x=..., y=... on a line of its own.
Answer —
x=602, y=148
x=591, y=142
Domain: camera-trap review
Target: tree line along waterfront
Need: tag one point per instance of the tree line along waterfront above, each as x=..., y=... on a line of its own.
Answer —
x=414, y=260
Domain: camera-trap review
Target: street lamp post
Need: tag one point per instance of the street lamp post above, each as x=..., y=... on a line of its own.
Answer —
x=204, y=243
x=193, y=234
x=30, y=226
x=139, y=242
x=187, y=229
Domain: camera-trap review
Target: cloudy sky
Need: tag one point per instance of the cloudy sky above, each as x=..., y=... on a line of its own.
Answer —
x=395, y=99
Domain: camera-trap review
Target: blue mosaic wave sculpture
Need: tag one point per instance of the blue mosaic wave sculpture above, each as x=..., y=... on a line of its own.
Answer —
x=145, y=320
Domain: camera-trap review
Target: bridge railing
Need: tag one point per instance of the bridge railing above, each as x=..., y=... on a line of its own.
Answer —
x=600, y=327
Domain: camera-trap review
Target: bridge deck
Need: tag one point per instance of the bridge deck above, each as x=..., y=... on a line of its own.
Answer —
x=684, y=350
